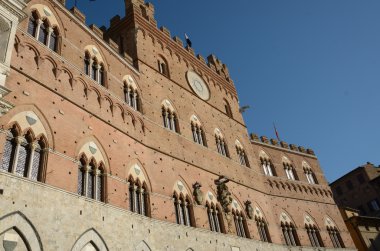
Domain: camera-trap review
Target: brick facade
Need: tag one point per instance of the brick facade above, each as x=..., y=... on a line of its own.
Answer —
x=57, y=103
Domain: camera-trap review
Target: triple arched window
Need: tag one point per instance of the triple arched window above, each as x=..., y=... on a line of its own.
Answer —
x=262, y=229
x=91, y=179
x=267, y=166
x=138, y=197
x=240, y=224
x=183, y=210
x=198, y=133
x=290, y=172
x=221, y=146
x=335, y=237
x=215, y=218
x=290, y=234
x=314, y=236
x=132, y=97
x=43, y=31
x=24, y=155
x=243, y=159
x=310, y=175
x=170, y=119
x=94, y=69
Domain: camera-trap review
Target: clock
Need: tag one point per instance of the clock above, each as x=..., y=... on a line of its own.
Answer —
x=198, y=85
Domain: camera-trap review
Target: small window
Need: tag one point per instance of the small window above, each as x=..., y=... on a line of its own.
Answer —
x=132, y=97
x=163, y=67
x=32, y=26
x=227, y=108
x=221, y=146
x=183, y=210
x=243, y=159
x=290, y=172
x=310, y=176
x=170, y=120
x=215, y=218
x=314, y=236
x=290, y=234
x=267, y=167
x=240, y=224
x=262, y=229
x=374, y=205
x=335, y=237
x=138, y=197
x=198, y=134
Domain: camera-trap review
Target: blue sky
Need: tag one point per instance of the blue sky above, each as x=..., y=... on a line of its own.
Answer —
x=312, y=67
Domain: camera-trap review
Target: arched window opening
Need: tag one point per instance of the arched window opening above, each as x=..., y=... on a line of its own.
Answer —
x=198, y=134
x=53, y=42
x=91, y=179
x=290, y=234
x=138, y=197
x=132, y=97
x=262, y=229
x=82, y=176
x=183, y=210
x=267, y=167
x=335, y=237
x=227, y=108
x=43, y=32
x=32, y=25
x=314, y=236
x=310, y=176
x=170, y=119
x=243, y=159
x=290, y=172
x=23, y=155
x=221, y=146
x=94, y=70
x=87, y=63
x=163, y=67
x=215, y=218
x=101, y=77
x=240, y=224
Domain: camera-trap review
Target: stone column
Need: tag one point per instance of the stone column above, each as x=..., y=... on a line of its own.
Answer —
x=33, y=147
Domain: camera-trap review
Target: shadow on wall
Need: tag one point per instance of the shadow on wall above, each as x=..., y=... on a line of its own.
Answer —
x=375, y=244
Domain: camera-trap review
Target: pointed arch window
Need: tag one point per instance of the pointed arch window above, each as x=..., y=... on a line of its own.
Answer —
x=290, y=171
x=94, y=69
x=290, y=234
x=310, y=176
x=138, y=197
x=183, y=210
x=240, y=224
x=24, y=155
x=314, y=236
x=170, y=119
x=221, y=146
x=43, y=32
x=215, y=218
x=227, y=108
x=267, y=167
x=243, y=159
x=32, y=25
x=335, y=237
x=198, y=134
x=163, y=67
x=262, y=229
x=132, y=97
x=90, y=179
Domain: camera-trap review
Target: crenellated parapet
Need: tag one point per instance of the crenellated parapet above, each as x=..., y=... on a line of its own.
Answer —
x=281, y=144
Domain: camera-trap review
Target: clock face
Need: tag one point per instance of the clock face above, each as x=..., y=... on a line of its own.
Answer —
x=198, y=85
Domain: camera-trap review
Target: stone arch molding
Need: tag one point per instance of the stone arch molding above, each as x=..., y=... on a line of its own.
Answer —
x=90, y=241
x=143, y=246
x=24, y=228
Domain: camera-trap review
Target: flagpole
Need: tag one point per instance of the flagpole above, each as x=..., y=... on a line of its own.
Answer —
x=275, y=130
x=75, y=3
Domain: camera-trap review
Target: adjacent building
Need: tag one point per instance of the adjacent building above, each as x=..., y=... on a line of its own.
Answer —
x=121, y=138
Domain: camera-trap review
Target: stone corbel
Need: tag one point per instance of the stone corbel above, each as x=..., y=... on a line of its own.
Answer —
x=39, y=61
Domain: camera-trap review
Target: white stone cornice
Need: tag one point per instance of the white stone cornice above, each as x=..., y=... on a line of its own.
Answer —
x=15, y=7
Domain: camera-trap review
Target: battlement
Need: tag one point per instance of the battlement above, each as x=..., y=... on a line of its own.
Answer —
x=282, y=144
x=146, y=10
